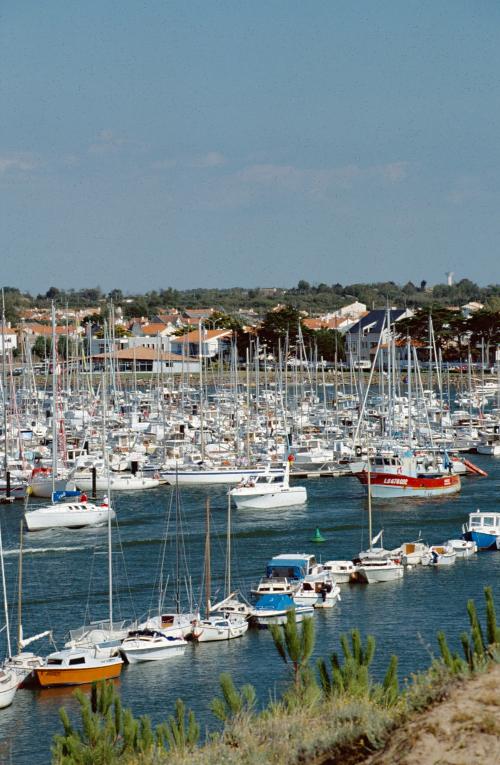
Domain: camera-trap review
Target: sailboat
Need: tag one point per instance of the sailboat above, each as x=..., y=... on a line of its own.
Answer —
x=24, y=662
x=374, y=566
x=8, y=678
x=106, y=635
x=217, y=626
x=45, y=481
x=161, y=636
x=77, y=665
x=77, y=513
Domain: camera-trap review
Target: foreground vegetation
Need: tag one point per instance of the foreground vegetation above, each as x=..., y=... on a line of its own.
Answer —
x=336, y=711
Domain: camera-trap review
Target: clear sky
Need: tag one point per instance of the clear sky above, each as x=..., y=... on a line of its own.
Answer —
x=156, y=143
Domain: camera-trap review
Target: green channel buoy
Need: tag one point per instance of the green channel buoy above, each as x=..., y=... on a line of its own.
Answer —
x=318, y=537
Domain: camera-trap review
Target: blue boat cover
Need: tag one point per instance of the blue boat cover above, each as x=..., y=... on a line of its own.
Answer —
x=275, y=602
x=57, y=496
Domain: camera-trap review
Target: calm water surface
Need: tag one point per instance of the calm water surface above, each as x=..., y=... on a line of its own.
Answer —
x=65, y=574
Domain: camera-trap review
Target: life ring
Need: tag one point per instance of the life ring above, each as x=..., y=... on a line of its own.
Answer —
x=359, y=451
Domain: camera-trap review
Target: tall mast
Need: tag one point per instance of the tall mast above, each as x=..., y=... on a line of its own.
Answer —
x=108, y=478
x=207, y=558
x=20, y=593
x=4, y=396
x=369, y=497
x=54, y=400
x=228, y=548
x=5, y=604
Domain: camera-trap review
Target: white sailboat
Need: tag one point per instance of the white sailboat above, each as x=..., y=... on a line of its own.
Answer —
x=161, y=636
x=104, y=635
x=217, y=626
x=8, y=678
x=374, y=564
x=24, y=663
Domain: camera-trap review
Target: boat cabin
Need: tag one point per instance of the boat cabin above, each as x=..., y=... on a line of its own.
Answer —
x=292, y=566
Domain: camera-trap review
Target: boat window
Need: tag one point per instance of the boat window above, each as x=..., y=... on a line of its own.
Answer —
x=393, y=461
x=489, y=521
x=387, y=461
x=78, y=660
x=54, y=661
x=379, y=461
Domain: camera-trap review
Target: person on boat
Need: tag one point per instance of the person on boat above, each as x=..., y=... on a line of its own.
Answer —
x=83, y=497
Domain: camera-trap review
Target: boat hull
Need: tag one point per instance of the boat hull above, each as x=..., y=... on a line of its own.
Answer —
x=483, y=540
x=209, y=633
x=134, y=654
x=206, y=477
x=393, y=486
x=37, y=520
x=374, y=575
x=297, y=495
x=49, y=678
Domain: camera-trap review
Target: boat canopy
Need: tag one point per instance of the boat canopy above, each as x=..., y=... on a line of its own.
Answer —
x=287, y=567
x=275, y=602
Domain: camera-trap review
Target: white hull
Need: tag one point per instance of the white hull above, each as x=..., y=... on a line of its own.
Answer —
x=74, y=516
x=138, y=650
x=373, y=573
x=340, y=571
x=439, y=557
x=395, y=492
x=8, y=687
x=211, y=630
x=207, y=477
x=43, y=488
x=116, y=483
x=296, y=495
x=492, y=450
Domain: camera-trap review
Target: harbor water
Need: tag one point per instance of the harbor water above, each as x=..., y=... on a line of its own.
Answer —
x=65, y=582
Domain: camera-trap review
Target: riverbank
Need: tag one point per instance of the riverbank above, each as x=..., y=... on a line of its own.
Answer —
x=464, y=728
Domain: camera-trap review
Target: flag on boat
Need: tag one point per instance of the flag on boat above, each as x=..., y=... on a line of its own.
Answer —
x=377, y=537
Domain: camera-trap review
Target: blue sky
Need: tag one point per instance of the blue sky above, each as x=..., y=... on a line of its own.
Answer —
x=188, y=144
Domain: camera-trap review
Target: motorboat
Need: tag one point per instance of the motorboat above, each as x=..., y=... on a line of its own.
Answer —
x=408, y=475
x=279, y=585
x=319, y=591
x=483, y=528
x=374, y=571
x=273, y=609
x=68, y=515
x=75, y=666
x=340, y=571
x=440, y=555
x=151, y=645
x=462, y=547
x=411, y=553
x=268, y=490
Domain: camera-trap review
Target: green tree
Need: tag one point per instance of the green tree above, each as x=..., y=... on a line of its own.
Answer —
x=293, y=645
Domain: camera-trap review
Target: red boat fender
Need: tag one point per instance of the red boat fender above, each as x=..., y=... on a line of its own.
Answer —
x=474, y=468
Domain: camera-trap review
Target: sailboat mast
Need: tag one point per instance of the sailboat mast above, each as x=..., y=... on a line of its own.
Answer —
x=369, y=498
x=5, y=604
x=54, y=394
x=228, y=548
x=20, y=593
x=4, y=395
x=207, y=559
x=108, y=478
